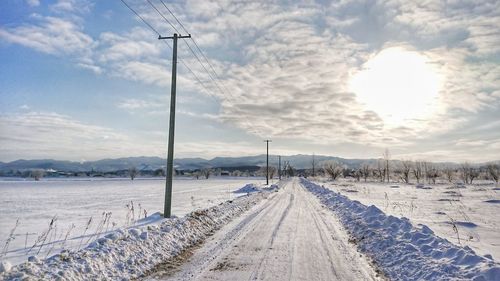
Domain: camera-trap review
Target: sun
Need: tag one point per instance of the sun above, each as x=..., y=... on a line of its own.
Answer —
x=399, y=85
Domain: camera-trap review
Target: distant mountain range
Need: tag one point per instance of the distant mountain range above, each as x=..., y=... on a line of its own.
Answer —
x=299, y=161
x=152, y=163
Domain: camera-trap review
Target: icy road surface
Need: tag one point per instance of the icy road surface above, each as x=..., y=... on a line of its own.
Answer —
x=290, y=236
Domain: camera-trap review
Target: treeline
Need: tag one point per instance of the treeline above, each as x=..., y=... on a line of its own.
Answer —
x=408, y=171
x=133, y=173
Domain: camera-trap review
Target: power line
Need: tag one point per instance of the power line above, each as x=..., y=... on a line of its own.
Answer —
x=174, y=17
x=223, y=92
x=187, y=44
x=213, y=78
x=195, y=55
x=182, y=61
x=161, y=14
x=214, y=97
x=143, y=20
x=192, y=39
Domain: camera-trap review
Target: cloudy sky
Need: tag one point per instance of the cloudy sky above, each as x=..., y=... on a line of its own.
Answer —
x=84, y=80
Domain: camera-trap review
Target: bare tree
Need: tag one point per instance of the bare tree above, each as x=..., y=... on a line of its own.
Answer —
x=417, y=170
x=272, y=171
x=494, y=172
x=206, y=172
x=37, y=174
x=464, y=172
x=347, y=173
x=380, y=170
x=333, y=169
x=218, y=172
x=432, y=173
x=425, y=165
x=449, y=173
x=357, y=174
x=133, y=172
x=290, y=171
x=473, y=173
x=160, y=172
x=365, y=171
x=405, y=170
x=387, y=159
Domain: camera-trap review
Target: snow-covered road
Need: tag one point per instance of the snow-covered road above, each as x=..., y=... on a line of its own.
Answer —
x=288, y=237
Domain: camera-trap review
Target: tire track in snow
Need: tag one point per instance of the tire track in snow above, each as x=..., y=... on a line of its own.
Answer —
x=199, y=264
x=289, y=239
x=314, y=216
x=256, y=273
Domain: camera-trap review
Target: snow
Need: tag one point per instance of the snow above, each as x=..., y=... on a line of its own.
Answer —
x=75, y=201
x=289, y=236
x=131, y=252
x=5, y=266
x=401, y=250
x=471, y=208
x=247, y=189
x=296, y=230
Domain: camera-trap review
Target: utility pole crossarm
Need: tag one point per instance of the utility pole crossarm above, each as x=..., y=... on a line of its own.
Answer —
x=175, y=35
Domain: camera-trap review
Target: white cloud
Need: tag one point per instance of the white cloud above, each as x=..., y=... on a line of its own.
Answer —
x=94, y=68
x=61, y=35
x=42, y=135
x=211, y=149
x=145, y=72
x=49, y=135
x=133, y=104
x=54, y=36
x=71, y=6
x=33, y=3
x=134, y=46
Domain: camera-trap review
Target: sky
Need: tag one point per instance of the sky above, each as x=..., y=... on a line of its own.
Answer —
x=85, y=80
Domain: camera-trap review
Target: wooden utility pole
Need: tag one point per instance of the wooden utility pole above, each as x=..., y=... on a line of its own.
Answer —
x=267, y=160
x=279, y=167
x=313, y=165
x=171, y=129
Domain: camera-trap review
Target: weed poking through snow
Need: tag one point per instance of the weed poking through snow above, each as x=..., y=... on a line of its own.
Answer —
x=455, y=228
x=42, y=238
x=87, y=226
x=11, y=237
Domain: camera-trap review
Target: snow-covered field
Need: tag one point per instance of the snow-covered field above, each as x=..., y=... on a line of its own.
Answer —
x=465, y=215
x=131, y=252
x=402, y=250
x=71, y=203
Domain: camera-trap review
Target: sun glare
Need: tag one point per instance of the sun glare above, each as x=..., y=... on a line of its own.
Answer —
x=399, y=85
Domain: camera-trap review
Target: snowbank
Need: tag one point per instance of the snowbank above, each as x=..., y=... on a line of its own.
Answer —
x=401, y=250
x=130, y=252
x=247, y=189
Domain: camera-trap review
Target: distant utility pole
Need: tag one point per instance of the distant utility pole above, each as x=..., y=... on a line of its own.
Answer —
x=171, y=129
x=279, y=167
x=267, y=160
x=313, y=164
